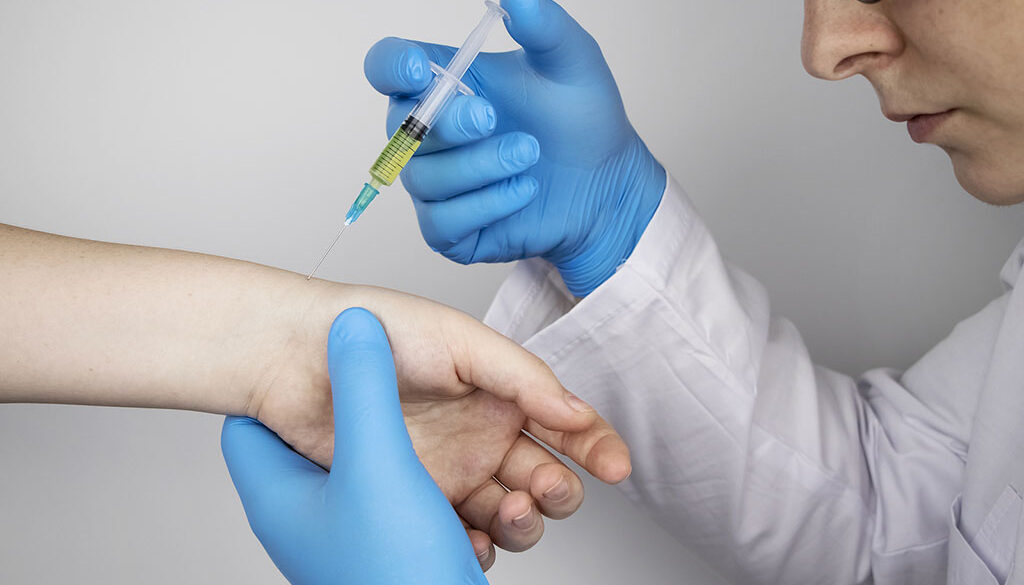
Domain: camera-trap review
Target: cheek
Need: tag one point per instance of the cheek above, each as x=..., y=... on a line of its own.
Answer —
x=984, y=41
x=966, y=50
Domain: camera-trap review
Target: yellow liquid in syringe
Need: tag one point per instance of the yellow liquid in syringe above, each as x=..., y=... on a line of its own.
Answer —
x=395, y=156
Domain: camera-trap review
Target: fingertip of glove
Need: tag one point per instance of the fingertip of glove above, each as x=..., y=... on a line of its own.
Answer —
x=474, y=118
x=397, y=66
x=484, y=117
x=233, y=427
x=356, y=324
x=520, y=8
x=518, y=150
x=240, y=420
x=414, y=66
x=532, y=22
x=525, y=187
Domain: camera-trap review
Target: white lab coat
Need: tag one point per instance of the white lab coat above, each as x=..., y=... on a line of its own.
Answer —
x=773, y=469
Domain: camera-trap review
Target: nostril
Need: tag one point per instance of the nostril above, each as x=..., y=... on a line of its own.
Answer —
x=846, y=67
x=843, y=66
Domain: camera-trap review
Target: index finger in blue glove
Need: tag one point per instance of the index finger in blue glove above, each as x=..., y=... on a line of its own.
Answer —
x=397, y=67
x=401, y=69
x=466, y=119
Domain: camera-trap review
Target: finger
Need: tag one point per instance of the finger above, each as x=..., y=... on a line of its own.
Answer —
x=599, y=449
x=490, y=244
x=494, y=363
x=446, y=223
x=510, y=518
x=488, y=558
x=555, y=44
x=263, y=468
x=466, y=119
x=399, y=67
x=483, y=548
x=372, y=446
x=531, y=468
x=441, y=175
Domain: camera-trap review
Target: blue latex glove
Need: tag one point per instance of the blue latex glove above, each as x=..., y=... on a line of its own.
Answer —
x=543, y=162
x=377, y=518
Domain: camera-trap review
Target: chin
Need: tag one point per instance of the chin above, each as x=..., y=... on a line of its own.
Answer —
x=994, y=182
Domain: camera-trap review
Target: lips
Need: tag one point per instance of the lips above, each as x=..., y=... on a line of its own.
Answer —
x=921, y=126
x=924, y=125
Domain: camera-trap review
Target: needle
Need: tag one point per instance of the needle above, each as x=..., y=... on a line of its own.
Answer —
x=328, y=252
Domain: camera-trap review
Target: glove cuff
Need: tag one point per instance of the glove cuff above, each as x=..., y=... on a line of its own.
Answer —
x=636, y=193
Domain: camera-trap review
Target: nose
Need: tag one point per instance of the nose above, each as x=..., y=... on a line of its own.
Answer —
x=845, y=37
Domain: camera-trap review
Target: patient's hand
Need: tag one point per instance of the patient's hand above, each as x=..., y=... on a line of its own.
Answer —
x=468, y=394
x=94, y=323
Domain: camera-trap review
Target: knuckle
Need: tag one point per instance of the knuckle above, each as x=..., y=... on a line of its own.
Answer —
x=434, y=233
x=459, y=257
x=436, y=243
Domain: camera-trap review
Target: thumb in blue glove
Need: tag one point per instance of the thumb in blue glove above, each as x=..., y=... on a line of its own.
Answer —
x=377, y=517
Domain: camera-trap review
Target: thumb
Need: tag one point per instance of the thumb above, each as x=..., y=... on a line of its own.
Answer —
x=496, y=364
x=270, y=478
x=555, y=43
x=370, y=437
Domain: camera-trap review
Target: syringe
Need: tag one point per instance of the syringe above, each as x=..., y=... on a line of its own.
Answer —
x=409, y=136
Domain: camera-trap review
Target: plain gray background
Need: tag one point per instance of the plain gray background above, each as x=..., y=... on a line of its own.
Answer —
x=244, y=128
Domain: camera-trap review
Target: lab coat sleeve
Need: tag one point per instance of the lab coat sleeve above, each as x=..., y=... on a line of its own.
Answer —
x=771, y=468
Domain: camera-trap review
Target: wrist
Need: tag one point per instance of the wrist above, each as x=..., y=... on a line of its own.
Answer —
x=292, y=394
x=627, y=207
x=296, y=362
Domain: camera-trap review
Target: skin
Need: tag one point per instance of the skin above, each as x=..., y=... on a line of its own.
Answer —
x=930, y=56
x=104, y=324
x=467, y=438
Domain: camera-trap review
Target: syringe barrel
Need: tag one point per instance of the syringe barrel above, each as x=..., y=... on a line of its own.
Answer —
x=442, y=90
x=467, y=53
x=445, y=86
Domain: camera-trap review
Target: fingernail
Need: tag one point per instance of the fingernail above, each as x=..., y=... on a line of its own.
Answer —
x=524, y=522
x=484, y=118
x=482, y=555
x=577, y=404
x=414, y=67
x=524, y=186
x=558, y=492
x=519, y=150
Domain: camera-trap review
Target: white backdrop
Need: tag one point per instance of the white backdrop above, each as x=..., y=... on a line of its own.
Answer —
x=244, y=128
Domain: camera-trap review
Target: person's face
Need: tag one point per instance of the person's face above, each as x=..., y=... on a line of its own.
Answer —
x=960, y=59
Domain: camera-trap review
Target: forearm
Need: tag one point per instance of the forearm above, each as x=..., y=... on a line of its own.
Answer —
x=94, y=323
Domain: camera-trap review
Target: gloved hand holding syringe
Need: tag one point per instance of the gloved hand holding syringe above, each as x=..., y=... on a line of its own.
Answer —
x=409, y=136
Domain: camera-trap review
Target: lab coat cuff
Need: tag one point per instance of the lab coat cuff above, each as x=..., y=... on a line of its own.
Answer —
x=534, y=296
